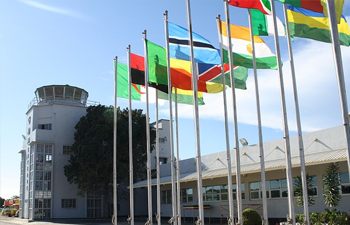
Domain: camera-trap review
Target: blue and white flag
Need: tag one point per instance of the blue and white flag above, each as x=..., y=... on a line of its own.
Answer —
x=204, y=51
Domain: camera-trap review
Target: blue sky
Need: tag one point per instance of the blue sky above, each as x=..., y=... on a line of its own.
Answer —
x=74, y=42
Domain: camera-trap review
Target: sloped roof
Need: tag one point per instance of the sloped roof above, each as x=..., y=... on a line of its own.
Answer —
x=270, y=165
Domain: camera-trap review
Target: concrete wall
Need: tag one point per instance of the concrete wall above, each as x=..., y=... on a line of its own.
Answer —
x=63, y=119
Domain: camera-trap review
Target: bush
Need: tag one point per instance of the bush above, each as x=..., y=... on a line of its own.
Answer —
x=330, y=217
x=251, y=217
x=300, y=218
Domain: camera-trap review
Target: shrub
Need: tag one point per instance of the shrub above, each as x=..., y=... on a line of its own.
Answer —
x=251, y=217
x=330, y=217
x=300, y=218
x=331, y=185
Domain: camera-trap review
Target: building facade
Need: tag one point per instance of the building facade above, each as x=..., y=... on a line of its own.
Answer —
x=321, y=148
x=50, y=126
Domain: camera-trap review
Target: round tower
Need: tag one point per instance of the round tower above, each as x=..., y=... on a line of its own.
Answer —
x=63, y=94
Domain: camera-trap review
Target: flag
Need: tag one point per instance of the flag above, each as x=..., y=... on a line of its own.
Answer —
x=137, y=64
x=183, y=96
x=242, y=49
x=262, y=5
x=319, y=6
x=307, y=24
x=138, y=91
x=213, y=73
x=263, y=24
x=180, y=71
x=313, y=5
x=203, y=50
x=123, y=84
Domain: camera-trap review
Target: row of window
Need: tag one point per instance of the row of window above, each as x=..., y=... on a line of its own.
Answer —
x=186, y=196
x=69, y=203
x=274, y=189
x=220, y=192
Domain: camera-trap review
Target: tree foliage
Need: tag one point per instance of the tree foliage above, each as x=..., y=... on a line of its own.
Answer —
x=298, y=190
x=15, y=197
x=91, y=163
x=331, y=185
x=2, y=201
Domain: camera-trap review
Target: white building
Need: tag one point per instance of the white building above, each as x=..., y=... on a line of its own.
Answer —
x=321, y=148
x=50, y=126
x=51, y=118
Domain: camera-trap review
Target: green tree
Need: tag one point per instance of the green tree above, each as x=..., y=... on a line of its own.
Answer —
x=15, y=197
x=90, y=166
x=298, y=190
x=2, y=201
x=331, y=185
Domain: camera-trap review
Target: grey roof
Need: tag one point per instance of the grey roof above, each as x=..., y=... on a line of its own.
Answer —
x=310, y=159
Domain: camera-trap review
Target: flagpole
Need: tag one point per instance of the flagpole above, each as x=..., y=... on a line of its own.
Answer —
x=297, y=113
x=261, y=142
x=228, y=150
x=115, y=204
x=200, y=220
x=131, y=169
x=173, y=188
x=159, y=217
x=285, y=122
x=235, y=121
x=149, y=181
x=340, y=74
x=178, y=160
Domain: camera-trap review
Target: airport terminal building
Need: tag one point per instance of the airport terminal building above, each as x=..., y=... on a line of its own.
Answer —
x=321, y=148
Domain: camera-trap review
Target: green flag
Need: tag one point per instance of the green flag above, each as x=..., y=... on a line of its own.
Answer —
x=123, y=84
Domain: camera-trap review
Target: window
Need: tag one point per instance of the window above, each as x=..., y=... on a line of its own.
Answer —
x=345, y=183
x=235, y=191
x=29, y=119
x=163, y=160
x=313, y=182
x=274, y=189
x=166, y=197
x=186, y=195
x=255, y=188
x=69, y=203
x=45, y=126
x=220, y=192
x=67, y=150
x=161, y=140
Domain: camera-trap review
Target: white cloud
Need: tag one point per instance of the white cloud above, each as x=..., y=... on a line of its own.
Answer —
x=347, y=19
x=58, y=10
x=317, y=91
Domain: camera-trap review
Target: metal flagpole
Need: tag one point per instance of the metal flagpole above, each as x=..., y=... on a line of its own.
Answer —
x=285, y=122
x=131, y=169
x=297, y=113
x=261, y=142
x=235, y=121
x=173, y=219
x=159, y=218
x=178, y=160
x=115, y=204
x=228, y=150
x=149, y=181
x=196, y=120
x=340, y=74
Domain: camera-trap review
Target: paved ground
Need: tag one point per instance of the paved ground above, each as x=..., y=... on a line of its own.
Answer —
x=4, y=220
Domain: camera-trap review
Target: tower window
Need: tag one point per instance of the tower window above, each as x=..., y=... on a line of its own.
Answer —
x=47, y=126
